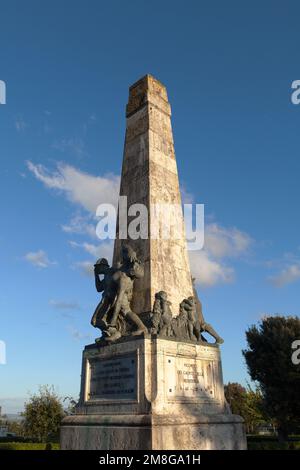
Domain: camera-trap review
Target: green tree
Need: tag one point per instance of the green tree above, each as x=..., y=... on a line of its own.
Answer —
x=43, y=414
x=255, y=410
x=16, y=427
x=247, y=403
x=235, y=395
x=269, y=362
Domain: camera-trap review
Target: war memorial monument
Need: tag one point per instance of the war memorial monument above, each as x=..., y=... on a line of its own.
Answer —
x=153, y=379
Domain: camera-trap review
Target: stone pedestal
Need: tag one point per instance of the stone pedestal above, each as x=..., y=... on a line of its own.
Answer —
x=150, y=393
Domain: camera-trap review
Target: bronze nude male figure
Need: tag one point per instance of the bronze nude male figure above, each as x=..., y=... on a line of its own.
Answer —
x=114, y=311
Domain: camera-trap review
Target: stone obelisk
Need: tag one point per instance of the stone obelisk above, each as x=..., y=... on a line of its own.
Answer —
x=151, y=381
x=149, y=177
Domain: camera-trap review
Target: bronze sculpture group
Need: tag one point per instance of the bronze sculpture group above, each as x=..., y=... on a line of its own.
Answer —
x=114, y=311
x=114, y=315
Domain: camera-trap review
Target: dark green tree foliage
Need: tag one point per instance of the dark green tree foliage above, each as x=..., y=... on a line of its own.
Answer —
x=43, y=414
x=269, y=362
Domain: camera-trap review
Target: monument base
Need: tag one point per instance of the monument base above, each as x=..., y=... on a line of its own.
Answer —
x=219, y=432
x=149, y=393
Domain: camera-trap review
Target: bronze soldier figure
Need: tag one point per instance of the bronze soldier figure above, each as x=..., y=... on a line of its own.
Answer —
x=117, y=286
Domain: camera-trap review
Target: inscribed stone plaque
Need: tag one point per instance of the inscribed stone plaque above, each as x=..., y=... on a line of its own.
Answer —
x=113, y=378
x=189, y=378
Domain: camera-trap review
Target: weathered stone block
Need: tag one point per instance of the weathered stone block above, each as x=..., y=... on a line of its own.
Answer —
x=151, y=393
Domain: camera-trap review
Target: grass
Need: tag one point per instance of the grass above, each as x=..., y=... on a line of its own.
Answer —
x=27, y=446
x=271, y=443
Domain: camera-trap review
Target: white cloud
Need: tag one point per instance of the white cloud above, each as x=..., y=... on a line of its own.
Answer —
x=88, y=191
x=103, y=250
x=207, y=271
x=63, y=305
x=286, y=276
x=94, y=250
x=80, y=225
x=207, y=265
x=186, y=197
x=86, y=267
x=223, y=242
x=74, y=145
x=83, y=189
x=20, y=124
x=76, y=334
x=38, y=258
x=89, y=122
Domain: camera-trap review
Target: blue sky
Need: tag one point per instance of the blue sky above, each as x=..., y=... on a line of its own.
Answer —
x=228, y=68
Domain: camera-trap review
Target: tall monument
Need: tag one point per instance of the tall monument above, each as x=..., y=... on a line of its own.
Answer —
x=152, y=380
x=149, y=176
